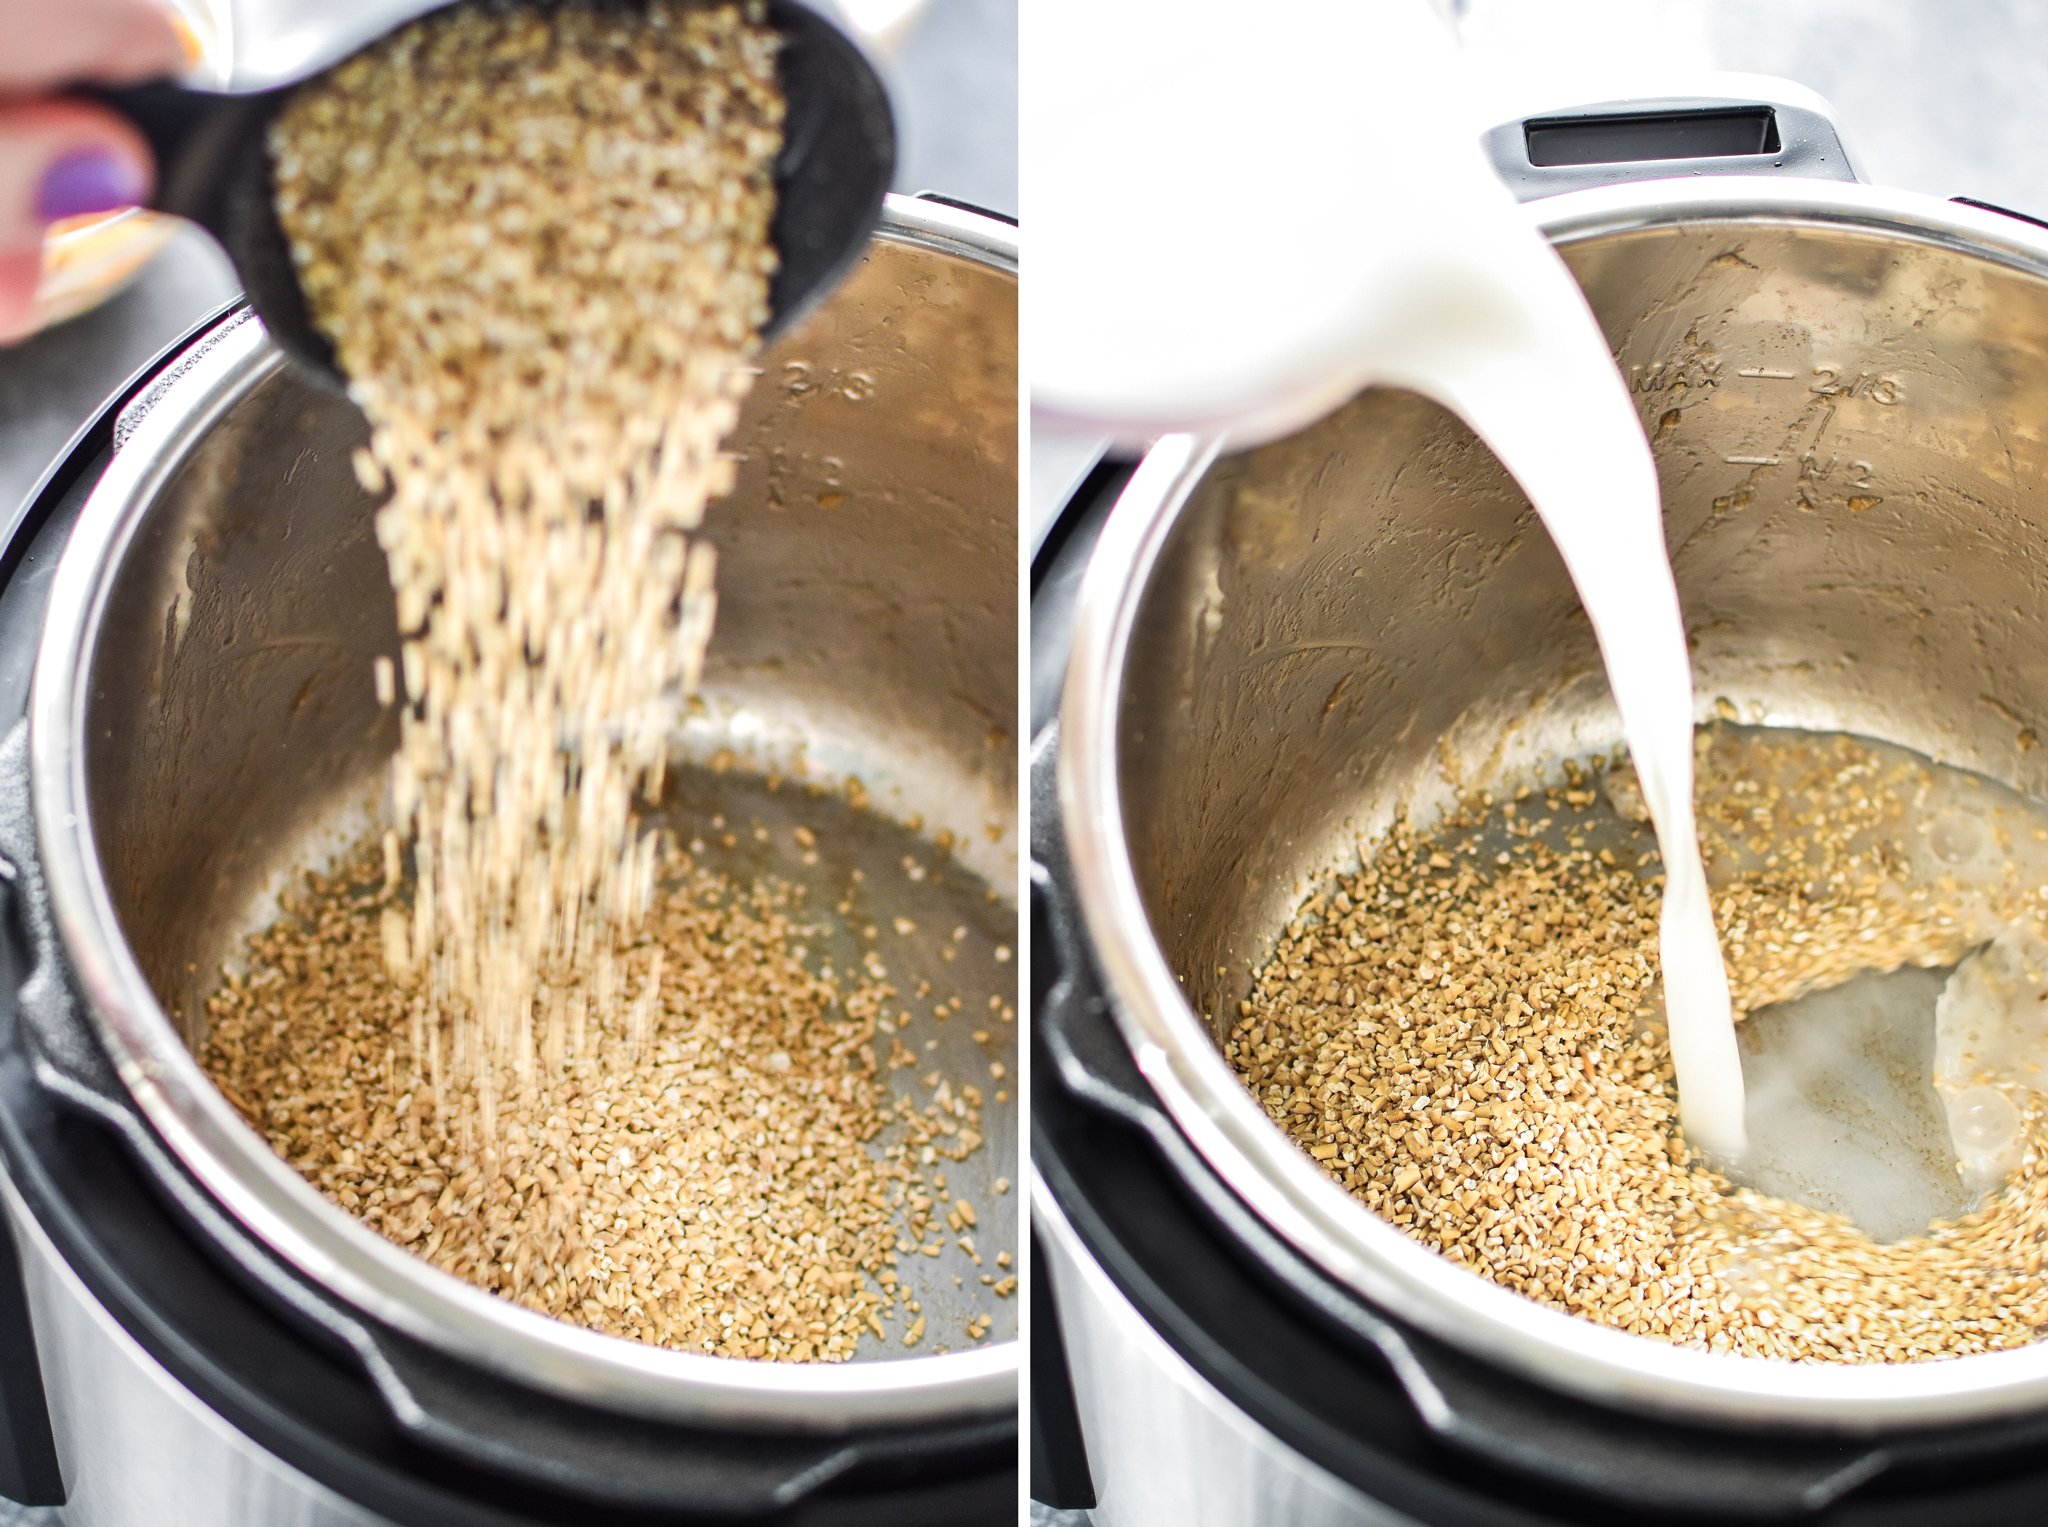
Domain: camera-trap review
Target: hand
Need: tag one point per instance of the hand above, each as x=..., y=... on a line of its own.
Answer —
x=61, y=158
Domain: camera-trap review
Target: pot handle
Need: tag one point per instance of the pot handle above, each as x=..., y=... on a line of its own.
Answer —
x=1068, y=1009
x=1668, y=137
x=1066, y=995
x=962, y=1470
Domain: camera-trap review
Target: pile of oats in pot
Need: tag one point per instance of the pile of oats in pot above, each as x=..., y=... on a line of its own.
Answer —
x=522, y=1032
x=1465, y=1031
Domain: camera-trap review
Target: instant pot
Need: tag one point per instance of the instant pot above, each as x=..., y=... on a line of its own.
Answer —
x=190, y=606
x=1244, y=663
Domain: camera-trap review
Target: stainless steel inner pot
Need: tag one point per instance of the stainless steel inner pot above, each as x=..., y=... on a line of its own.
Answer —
x=1848, y=395
x=204, y=726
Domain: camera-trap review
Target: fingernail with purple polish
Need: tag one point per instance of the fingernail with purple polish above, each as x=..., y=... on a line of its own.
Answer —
x=89, y=180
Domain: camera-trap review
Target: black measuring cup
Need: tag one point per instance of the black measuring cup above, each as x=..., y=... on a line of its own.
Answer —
x=214, y=166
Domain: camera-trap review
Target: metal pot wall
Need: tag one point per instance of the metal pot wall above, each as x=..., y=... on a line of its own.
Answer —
x=203, y=725
x=1845, y=389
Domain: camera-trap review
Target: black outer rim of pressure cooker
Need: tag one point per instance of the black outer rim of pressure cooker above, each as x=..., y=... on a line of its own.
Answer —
x=1309, y=1362
x=193, y=1308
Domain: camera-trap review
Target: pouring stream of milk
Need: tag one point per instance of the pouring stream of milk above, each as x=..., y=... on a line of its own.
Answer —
x=1544, y=394
x=1240, y=217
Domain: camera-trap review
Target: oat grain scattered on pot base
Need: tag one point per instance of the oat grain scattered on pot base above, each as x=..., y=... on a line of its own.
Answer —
x=745, y=1186
x=1462, y=1033
x=538, y=237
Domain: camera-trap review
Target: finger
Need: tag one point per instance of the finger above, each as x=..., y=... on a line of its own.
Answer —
x=112, y=41
x=58, y=159
x=19, y=274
